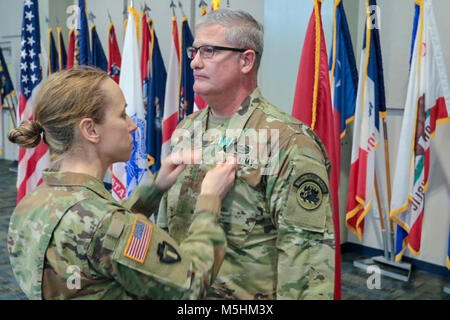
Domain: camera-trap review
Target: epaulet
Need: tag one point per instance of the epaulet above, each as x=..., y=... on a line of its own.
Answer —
x=272, y=111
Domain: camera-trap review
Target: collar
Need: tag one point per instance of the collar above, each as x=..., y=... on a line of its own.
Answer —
x=240, y=118
x=72, y=179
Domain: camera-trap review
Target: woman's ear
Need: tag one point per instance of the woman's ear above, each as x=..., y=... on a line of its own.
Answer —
x=248, y=60
x=88, y=130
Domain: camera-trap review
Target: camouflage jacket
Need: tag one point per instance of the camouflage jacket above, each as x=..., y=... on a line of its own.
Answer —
x=277, y=217
x=69, y=239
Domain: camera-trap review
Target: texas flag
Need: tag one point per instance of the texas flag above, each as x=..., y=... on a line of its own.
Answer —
x=368, y=160
x=427, y=104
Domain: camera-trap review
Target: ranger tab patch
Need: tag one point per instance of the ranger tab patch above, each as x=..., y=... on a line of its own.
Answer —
x=139, y=241
x=310, y=191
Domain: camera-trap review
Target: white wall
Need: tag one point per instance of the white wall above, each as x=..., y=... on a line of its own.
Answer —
x=285, y=27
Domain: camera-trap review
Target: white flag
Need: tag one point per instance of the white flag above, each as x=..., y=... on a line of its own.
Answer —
x=427, y=103
x=127, y=176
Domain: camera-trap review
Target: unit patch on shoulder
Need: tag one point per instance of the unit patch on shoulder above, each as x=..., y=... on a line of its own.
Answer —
x=310, y=191
x=139, y=241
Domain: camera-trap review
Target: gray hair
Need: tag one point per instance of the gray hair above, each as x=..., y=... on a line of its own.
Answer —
x=242, y=29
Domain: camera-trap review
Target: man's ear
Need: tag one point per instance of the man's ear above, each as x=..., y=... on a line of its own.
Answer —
x=89, y=130
x=248, y=60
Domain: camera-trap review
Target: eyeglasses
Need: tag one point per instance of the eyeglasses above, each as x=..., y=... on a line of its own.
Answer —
x=207, y=51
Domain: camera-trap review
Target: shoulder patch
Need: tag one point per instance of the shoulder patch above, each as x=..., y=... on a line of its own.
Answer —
x=139, y=241
x=310, y=191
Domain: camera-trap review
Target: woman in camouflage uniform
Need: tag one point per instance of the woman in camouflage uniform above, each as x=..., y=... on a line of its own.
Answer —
x=69, y=239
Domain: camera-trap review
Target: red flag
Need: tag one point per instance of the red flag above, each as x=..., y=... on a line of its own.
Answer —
x=71, y=49
x=312, y=105
x=145, y=51
x=171, y=102
x=114, y=61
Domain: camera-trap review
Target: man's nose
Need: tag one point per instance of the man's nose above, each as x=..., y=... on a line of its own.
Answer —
x=197, y=62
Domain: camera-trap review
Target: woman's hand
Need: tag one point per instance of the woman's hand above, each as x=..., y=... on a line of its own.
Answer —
x=170, y=169
x=218, y=181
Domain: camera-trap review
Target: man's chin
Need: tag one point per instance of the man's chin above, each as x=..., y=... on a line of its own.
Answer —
x=201, y=89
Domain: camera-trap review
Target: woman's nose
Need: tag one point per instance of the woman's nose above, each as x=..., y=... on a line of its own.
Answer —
x=131, y=125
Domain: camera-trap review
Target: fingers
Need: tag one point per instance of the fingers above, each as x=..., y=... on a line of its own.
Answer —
x=185, y=157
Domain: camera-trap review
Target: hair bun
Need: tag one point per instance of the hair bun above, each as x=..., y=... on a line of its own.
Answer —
x=27, y=135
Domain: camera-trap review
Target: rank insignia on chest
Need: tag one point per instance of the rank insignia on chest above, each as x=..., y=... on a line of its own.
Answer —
x=139, y=241
x=310, y=191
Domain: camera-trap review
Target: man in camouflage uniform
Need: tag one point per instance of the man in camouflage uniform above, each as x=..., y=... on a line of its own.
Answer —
x=69, y=239
x=278, y=215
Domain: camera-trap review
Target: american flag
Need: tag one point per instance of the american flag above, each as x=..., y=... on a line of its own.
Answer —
x=31, y=161
x=139, y=241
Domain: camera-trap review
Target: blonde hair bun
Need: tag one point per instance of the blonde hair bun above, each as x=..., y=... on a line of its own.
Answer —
x=27, y=135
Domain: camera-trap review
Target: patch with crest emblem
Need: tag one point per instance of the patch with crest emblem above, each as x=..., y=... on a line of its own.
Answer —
x=310, y=191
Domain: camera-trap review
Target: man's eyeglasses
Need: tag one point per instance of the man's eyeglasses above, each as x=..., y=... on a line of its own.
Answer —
x=208, y=51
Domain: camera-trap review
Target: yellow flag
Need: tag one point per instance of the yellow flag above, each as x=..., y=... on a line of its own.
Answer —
x=215, y=4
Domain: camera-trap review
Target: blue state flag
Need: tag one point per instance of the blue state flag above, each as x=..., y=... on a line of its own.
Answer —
x=53, y=56
x=344, y=74
x=62, y=53
x=187, y=74
x=82, y=50
x=97, y=57
x=6, y=85
x=156, y=94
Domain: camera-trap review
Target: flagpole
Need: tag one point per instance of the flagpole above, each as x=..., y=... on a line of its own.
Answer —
x=389, y=191
x=12, y=110
x=380, y=213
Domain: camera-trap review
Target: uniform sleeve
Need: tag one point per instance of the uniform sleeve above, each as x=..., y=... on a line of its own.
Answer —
x=146, y=262
x=145, y=200
x=300, y=205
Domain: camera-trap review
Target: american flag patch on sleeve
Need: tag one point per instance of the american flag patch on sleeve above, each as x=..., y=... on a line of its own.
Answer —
x=139, y=241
